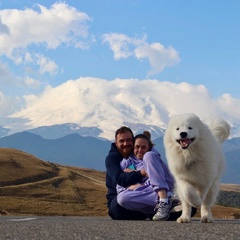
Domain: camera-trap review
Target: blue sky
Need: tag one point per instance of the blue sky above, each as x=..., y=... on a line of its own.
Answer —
x=46, y=43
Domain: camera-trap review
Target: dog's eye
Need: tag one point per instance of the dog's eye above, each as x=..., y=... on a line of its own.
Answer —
x=190, y=128
x=177, y=129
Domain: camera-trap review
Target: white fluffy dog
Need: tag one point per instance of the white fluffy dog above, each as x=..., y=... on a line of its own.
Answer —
x=195, y=158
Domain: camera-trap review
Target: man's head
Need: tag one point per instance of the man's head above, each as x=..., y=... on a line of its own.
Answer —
x=124, y=141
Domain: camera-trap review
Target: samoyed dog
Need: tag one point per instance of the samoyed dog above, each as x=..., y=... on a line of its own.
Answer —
x=194, y=155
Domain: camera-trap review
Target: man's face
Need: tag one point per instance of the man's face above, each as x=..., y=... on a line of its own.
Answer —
x=124, y=143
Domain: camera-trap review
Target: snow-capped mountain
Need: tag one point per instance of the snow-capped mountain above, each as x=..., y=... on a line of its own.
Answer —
x=96, y=107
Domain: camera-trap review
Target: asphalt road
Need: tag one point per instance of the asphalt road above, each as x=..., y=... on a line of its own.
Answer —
x=57, y=228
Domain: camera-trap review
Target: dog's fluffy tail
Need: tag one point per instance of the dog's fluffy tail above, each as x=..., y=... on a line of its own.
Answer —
x=220, y=129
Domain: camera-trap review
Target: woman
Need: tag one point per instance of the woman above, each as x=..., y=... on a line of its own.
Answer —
x=152, y=194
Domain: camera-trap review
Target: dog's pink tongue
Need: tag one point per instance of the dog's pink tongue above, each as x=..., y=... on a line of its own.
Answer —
x=185, y=142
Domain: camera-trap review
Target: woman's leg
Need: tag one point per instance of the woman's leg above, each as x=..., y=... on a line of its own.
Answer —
x=158, y=172
x=143, y=199
x=134, y=202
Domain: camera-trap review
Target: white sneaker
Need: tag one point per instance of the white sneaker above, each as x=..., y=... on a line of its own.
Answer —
x=162, y=211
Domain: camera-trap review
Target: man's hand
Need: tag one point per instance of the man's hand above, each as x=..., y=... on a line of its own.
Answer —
x=128, y=170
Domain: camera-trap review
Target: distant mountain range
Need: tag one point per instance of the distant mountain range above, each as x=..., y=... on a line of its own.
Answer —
x=71, y=150
x=90, y=152
x=61, y=130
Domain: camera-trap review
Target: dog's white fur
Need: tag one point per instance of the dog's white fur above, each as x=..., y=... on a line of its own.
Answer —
x=194, y=155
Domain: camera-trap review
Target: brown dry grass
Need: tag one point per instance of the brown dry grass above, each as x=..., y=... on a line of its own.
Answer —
x=30, y=186
x=230, y=187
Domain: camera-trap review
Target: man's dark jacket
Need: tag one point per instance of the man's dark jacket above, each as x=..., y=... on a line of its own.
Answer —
x=115, y=174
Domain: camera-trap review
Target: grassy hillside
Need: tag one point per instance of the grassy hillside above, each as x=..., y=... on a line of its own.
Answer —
x=230, y=187
x=30, y=186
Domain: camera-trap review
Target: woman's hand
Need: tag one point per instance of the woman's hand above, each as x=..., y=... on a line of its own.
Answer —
x=132, y=187
x=143, y=172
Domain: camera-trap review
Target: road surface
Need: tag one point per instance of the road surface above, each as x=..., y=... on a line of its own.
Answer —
x=57, y=228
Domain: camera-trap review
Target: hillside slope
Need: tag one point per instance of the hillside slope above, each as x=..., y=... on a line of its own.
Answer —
x=31, y=186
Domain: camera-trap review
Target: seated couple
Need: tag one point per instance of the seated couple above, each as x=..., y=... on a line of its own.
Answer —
x=139, y=183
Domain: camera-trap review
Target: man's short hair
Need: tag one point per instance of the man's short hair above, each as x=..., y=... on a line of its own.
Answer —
x=123, y=129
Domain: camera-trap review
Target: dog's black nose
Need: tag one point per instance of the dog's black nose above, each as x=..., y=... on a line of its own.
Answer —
x=183, y=134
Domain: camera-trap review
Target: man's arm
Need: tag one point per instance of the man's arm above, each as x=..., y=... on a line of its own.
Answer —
x=117, y=175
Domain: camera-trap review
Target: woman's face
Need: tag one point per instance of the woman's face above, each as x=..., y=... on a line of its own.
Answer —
x=140, y=147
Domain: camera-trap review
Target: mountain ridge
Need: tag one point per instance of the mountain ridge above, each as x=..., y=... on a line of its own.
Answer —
x=60, y=130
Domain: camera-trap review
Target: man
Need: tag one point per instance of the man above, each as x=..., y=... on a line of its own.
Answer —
x=121, y=148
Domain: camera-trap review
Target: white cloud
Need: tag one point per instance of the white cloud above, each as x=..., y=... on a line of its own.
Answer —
x=46, y=65
x=158, y=56
x=3, y=28
x=229, y=105
x=8, y=105
x=30, y=82
x=122, y=45
x=50, y=26
x=6, y=76
x=8, y=79
x=108, y=104
x=4, y=72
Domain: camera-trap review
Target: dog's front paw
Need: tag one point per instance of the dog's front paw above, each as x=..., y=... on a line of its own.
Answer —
x=184, y=220
x=207, y=219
